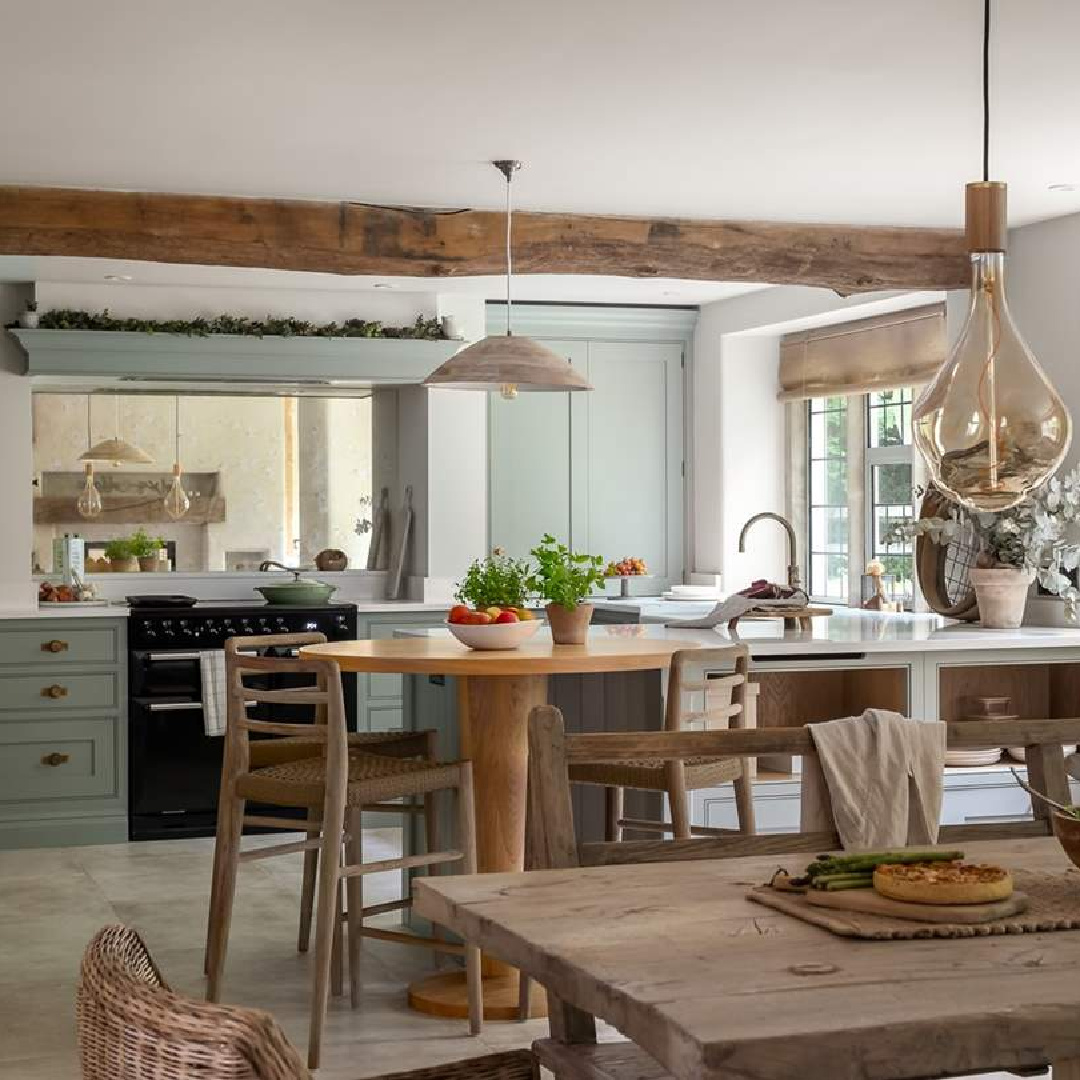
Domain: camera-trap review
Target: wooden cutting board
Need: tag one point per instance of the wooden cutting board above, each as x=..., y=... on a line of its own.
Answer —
x=871, y=903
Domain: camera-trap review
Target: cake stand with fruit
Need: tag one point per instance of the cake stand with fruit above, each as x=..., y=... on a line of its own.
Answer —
x=624, y=571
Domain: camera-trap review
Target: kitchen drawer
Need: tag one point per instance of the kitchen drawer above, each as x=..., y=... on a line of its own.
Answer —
x=58, y=759
x=52, y=644
x=56, y=691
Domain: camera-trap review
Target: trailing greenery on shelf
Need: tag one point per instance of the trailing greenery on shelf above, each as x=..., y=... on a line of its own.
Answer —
x=497, y=581
x=563, y=576
x=67, y=319
x=1042, y=534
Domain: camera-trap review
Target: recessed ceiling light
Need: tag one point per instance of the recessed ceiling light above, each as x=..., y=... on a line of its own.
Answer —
x=1064, y=187
x=118, y=277
x=383, y=285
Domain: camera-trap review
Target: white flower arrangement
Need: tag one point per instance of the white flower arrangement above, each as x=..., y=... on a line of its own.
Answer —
x=1042, y=534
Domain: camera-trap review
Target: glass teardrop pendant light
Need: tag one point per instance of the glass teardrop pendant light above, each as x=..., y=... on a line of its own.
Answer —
x=990, y=425
x=504, y=362
x=177, y=503
x=89, y=503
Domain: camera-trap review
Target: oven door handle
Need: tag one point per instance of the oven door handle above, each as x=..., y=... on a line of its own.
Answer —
x=174, y=706
x=158, y=657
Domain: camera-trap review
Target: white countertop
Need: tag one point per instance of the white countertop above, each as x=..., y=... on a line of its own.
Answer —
x=121, y=610
x=845, y=633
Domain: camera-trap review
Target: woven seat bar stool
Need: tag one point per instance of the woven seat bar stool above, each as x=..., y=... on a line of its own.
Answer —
x=334, y=787
x=724, y=703
x=276, y=751
x=131, y=1026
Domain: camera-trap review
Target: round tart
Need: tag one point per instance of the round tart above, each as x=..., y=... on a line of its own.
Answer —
x=943, y=883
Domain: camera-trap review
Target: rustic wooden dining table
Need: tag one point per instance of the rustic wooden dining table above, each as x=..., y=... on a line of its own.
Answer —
x=715, y=987
x=497, y=690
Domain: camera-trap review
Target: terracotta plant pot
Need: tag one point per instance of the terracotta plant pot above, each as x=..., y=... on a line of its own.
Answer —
x=124, y=566
x=148, y=563
x=569, y=626
x=1002, y=595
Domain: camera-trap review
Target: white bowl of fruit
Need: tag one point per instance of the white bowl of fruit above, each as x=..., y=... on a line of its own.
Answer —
x=493, y=627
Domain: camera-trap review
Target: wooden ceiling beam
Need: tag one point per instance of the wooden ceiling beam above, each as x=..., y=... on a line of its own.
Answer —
x=356, y=238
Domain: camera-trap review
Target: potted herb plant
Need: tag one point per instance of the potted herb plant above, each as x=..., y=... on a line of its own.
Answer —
x=145, y=548
x=30, y=318
x=122, y=559
x=1038, y=539
x=566, y=579
x=495, y=584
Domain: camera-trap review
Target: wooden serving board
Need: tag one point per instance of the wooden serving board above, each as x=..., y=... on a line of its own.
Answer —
x=873, y=903
x=799, y=617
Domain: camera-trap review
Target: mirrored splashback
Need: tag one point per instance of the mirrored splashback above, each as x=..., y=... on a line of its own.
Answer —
x=266, y=477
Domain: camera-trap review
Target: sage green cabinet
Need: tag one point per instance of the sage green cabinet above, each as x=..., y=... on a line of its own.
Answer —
x=601, y=469
x=63, y=732
x=379, y=695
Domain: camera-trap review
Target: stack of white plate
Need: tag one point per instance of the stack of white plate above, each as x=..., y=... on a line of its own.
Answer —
x=692, y=592
x=973, y=757
x=1017, y=752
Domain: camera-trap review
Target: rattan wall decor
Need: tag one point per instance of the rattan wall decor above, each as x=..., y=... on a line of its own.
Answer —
x=943, y=568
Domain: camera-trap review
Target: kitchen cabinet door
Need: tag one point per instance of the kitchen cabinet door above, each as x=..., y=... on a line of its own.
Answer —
x=631, y=467
x=529, y=451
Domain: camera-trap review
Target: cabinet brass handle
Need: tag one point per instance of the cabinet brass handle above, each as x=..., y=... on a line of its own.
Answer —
x=54, y=691
x=56, y=645
x=54, y=759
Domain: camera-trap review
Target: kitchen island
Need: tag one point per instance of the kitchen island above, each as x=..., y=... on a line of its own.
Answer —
x=919, y=665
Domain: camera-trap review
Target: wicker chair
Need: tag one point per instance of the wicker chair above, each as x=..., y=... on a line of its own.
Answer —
x=334, y=787
x=133, y=1027
x=725, y=702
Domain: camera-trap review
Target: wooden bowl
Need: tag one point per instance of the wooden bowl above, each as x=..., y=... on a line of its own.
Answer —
x=1067, y=830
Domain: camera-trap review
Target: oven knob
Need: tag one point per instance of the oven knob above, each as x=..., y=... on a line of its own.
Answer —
x=281, y=623
x=167, y=630
x=149, y=635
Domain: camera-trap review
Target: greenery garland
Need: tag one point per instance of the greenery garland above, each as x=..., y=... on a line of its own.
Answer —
x=64, y=319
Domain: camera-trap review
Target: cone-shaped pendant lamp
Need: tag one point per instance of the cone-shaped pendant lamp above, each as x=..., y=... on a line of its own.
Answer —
x=990, y=425
x=503, y=362
x=117, y=451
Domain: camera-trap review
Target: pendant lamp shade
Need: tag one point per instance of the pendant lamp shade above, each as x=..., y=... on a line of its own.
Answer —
x=114, y=451
x=118, y=452
x=503, y=360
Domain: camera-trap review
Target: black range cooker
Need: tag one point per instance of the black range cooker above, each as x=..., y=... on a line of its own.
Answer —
x=174, y=768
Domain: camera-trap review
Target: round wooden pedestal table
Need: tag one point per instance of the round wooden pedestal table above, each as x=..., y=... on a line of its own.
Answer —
x=496, y=692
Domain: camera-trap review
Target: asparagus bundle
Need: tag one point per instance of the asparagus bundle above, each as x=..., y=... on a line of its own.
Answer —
x=836, y=872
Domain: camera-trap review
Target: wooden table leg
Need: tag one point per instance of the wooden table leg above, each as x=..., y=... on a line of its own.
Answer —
x=493, y=716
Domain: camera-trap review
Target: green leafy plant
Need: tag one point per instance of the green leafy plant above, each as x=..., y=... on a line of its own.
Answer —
x=31, y=305
x=70, y=319
x=562, y=576
x=497, y=581
x=141, y=545
x=119, y=550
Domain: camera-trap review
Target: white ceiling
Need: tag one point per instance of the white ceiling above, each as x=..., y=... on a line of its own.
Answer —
x=838, y=110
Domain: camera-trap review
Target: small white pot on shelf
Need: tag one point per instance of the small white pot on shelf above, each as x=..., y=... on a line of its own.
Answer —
x=1002, y=594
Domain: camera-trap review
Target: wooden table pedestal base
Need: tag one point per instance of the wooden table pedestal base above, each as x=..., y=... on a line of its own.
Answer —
x=445, y=995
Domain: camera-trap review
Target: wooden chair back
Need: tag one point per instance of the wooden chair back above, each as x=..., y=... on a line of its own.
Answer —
x=323, y=696
x=723, y=697
x=552, y=752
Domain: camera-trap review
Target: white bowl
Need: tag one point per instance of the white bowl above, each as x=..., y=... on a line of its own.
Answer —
x=495, y=635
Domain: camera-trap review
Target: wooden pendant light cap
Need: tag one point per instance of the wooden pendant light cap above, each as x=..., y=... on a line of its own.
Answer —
x=985, y=217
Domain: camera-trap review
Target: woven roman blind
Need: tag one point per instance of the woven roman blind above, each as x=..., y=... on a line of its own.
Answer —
x=903, y=348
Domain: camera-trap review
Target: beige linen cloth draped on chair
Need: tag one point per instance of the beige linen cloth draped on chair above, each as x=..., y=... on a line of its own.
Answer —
x=878, y=778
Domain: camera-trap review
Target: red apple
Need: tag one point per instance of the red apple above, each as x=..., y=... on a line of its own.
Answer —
x=507, y=617
x=459, y=613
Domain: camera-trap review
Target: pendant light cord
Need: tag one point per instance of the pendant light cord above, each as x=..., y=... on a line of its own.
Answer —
x=986, y=89
x=509, y=250
x=176, y=399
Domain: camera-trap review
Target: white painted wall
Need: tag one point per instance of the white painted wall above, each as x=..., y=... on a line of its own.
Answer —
x=1041, y=287
x=738, y=458
x=16, y=452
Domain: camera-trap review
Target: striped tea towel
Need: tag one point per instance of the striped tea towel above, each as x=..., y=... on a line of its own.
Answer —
x=212, y=670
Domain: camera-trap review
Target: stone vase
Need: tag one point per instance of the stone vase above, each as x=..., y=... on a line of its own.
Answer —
x=1002, y=594
x=569, y=626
